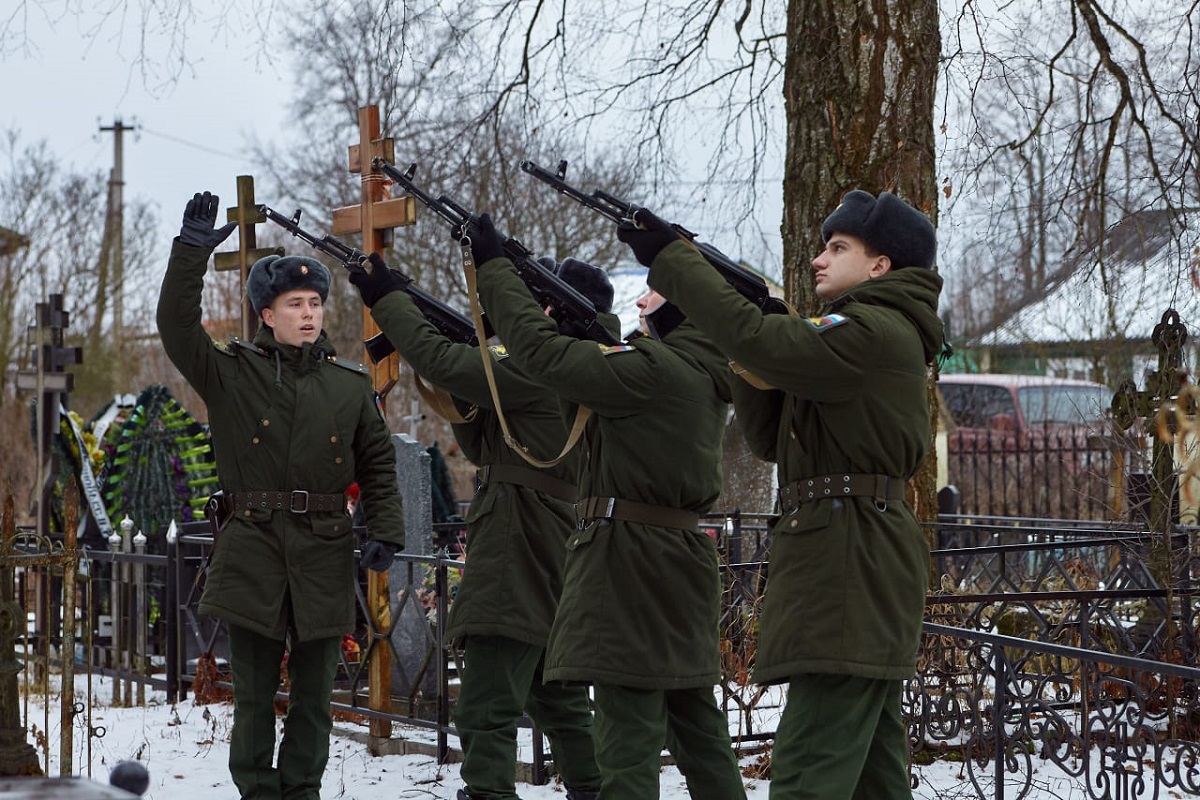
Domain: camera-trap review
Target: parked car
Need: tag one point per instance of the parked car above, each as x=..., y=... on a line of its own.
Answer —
x=1029, y=445
x=1021, y=403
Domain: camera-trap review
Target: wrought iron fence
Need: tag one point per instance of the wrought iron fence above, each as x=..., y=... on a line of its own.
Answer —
x=1045, y=641
x=1050, y=473
x=1123, y=727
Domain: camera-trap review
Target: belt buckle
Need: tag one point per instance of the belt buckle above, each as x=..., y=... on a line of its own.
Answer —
x=302, y=495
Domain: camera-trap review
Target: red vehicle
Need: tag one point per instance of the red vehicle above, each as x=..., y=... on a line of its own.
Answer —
x=1022, y=403
x=1029, y=445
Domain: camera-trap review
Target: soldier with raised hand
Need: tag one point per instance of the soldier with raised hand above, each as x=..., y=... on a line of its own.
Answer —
x=848, y=424
x=293, y=426
x=517, y=530
x=638, y=619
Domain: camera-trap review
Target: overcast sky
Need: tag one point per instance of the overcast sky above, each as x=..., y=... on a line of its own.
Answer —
x=62, y=85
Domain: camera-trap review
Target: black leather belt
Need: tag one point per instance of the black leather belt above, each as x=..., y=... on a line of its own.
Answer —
x=883, y=488
x=531, y=479
x=297, y=501
x=594, y=508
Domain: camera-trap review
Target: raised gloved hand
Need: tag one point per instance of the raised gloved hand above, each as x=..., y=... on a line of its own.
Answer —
x=647, y=237
x=376, y=284
x=486, y=243
x=377, y=555
x=199, y=222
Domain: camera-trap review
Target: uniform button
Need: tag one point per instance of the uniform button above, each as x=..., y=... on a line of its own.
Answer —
x=794, y=523
x=266, y=423
x=792, y=434
x=337, y=528
x=337, y=460
x=254, y=440
x=333, y=439
x=246, y=513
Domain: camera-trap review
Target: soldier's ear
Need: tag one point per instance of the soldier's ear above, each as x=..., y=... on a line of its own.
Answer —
x=882, y=265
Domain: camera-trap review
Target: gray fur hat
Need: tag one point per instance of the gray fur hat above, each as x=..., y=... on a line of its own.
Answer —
x=888, y=225
x=590, y=281
x=271, y=276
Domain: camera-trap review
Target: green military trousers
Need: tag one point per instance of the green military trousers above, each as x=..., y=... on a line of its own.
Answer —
x=311, y=666
x=841, y=737
x=501, y=679
x=633, y=725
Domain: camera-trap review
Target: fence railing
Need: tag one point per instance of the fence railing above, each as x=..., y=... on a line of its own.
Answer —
x=1045, y=641
x=1048, y=473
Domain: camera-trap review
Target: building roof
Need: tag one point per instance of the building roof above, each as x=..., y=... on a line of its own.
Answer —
x=1151, y=263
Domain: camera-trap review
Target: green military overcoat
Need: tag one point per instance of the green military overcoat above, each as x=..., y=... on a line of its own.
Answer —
x=282, y=419
x=516, y=535
x=847, y=579
x=640, y=605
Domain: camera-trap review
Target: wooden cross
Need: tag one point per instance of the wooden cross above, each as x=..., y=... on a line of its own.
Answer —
x=246, y=215
x=374, y=217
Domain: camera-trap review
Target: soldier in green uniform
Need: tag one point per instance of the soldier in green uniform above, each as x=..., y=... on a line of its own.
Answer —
x=517, y=529
x=638, y=618
x=292, y=426
x=848, y=425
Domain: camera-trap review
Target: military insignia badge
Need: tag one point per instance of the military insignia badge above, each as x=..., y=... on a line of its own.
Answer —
x=609, y=349
x=379, y=406
x=499, y=351
x=822, y=324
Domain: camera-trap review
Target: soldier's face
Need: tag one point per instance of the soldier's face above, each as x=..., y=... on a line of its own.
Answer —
x=844, y=264
x=295, y=316
x=648, y=304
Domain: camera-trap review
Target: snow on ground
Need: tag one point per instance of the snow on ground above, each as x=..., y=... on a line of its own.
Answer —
x=185, y=748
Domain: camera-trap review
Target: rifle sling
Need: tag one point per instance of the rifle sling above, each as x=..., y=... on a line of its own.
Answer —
x=582, y=413
x=441, y=402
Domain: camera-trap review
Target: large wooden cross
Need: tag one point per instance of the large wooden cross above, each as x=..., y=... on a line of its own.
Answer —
x=246, y=215
x=374, y=217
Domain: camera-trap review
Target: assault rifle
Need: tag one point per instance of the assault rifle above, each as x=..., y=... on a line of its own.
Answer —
x=565, y=301
x=452, y=324
x=748, y=284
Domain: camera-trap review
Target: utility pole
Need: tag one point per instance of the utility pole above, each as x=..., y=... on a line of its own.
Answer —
x=116, y=229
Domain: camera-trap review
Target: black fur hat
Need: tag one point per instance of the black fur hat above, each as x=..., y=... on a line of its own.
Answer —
x=271, y=276
x=888, y=225
x=591, y=282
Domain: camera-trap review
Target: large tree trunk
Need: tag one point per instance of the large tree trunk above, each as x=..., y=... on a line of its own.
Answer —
x=858, y=89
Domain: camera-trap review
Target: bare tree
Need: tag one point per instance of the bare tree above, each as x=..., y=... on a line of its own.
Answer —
x=1062, y=120
x=410, y=61
x=61, y=214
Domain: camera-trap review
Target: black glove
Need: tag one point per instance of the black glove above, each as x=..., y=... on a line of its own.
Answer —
x=199, y=221
x=376, y=284
x=377, y=555
x=647, y=237
x=486, y=243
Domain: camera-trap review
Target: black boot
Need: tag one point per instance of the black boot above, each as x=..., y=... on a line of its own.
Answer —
x=582, y=794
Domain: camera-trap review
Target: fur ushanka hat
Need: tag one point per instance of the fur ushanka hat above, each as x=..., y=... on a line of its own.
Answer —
x=590, y=281
x=271, y=276
x=888, y=225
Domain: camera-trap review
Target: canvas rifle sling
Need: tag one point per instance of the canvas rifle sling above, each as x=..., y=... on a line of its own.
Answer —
x=582, y=413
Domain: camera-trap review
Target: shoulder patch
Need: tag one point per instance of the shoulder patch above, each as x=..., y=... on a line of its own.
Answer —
x=826, y=322
x=242, y=344
x=610, y=349
x=223, y=347
x=499, y=351
x=379, y=407
x=353, y=366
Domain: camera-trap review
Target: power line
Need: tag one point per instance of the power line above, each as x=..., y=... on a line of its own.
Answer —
x=194, y=145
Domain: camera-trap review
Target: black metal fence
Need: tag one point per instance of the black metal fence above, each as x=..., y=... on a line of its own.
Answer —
x=1050, y=473
x=1046, y=642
